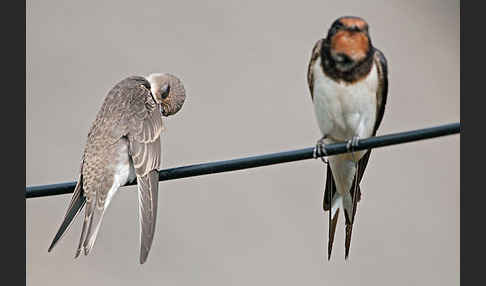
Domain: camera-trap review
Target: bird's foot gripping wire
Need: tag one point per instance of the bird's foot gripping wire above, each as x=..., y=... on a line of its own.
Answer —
x=352, y=144
x=320, y=150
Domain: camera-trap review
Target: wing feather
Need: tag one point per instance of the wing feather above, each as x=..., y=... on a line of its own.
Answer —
x=316, y=52
x=145, y=149
x=382, y=92
x=148, y=187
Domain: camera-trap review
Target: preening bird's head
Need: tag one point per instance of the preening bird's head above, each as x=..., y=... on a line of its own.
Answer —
x=348, y=42
x=168, y=91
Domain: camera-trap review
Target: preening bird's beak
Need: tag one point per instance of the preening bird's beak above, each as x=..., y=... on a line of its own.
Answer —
x=162, y=94
x=172, y=98
x=164, y=91
x=167, y=91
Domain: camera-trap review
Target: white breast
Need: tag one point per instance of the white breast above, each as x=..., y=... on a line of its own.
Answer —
x=345, y=110
x=124, y=170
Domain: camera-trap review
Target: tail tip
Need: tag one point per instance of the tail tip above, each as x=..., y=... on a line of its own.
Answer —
x=78, y=252
x=349, y=231
x=143, y=259
x=143, y=254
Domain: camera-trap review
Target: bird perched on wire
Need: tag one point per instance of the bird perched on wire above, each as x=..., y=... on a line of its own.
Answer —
x=348, y=83
x=124, y=144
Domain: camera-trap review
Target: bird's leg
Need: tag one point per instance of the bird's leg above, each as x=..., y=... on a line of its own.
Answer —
x=352, y=144
x=320, y=150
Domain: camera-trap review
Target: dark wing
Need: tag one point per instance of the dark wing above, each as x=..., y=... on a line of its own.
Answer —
x=381, y=95
x=144, y=138
x=316, y=52
x=382, y=92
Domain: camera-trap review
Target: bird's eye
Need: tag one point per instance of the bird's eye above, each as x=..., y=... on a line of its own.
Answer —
x=165, y=90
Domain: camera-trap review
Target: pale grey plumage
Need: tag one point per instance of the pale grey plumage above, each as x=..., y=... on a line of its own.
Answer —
x=124, y=143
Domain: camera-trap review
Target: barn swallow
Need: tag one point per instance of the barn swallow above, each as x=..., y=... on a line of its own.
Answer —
x=123, y=144
x=348, y=82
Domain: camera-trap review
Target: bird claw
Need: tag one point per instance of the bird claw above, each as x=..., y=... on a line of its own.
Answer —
x=352, y=144
x=320, y=150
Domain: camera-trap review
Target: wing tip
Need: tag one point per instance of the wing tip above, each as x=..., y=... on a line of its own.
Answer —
x=144, y=252
x=143, y=258
x=148, y=197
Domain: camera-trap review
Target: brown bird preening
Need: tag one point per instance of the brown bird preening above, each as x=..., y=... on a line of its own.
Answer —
x=348, y=83
x=124, y=144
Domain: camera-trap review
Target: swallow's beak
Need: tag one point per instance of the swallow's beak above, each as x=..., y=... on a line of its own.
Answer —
x=164, y=91
x=162, y=94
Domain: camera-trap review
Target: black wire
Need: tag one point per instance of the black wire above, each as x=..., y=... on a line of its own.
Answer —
x=268, y=159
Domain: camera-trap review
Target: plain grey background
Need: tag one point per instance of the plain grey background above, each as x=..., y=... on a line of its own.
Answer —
x=244, y=67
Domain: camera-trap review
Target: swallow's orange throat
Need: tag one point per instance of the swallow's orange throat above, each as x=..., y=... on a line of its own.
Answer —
x=353, y=44
x=347, y=52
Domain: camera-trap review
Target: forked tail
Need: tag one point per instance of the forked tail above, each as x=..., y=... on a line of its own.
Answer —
x=77, y=202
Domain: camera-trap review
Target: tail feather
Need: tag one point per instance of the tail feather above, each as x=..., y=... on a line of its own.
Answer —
x=350, y=215
x=333, y=201
x=93, y=228
x=349, y=232
x=345, y=202
x=347, y=243
x=87, y=221
x=77, y=203
x=329, y=201
x=332, y=231
x=92, y=222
